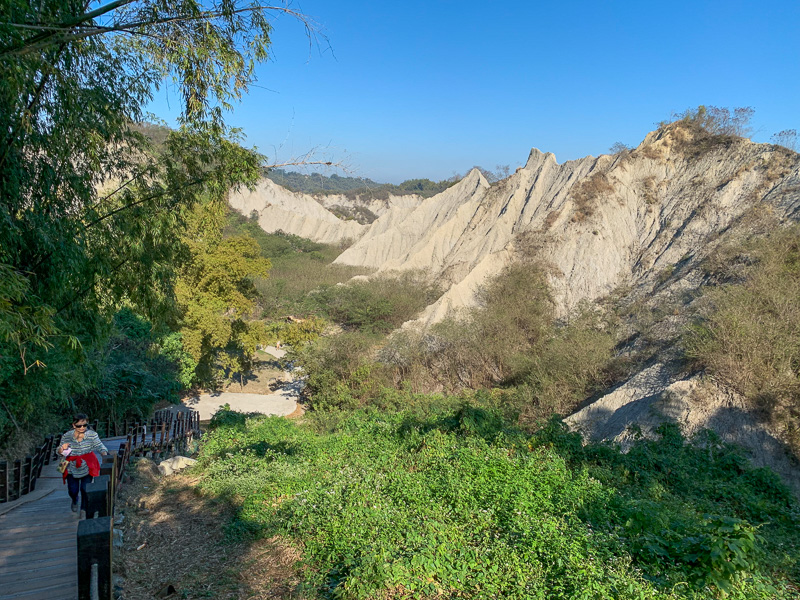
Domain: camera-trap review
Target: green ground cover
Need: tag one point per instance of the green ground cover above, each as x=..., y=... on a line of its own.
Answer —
x=456, y=502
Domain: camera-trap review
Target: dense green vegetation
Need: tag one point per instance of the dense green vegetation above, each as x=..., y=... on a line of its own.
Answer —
x=377, y=305
x=457, y=502
x=93, y=214
x=511, y=342
x=299, y=266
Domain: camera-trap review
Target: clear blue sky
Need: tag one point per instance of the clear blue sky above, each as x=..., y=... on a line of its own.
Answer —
x=428, y=88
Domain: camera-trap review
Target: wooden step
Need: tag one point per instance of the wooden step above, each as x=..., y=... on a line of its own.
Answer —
x=23, y=546
x=38, y=530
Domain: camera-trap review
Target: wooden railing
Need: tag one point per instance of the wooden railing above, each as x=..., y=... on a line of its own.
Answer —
x=19, y=477
x=167, y=432
x=161, y=433
x=116, y=428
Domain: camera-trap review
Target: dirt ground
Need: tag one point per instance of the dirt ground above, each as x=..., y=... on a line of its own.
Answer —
x=267, y=376
x=175, y=546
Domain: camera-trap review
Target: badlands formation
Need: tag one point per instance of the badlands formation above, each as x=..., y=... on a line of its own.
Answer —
x=601, y=223
x=641, y=221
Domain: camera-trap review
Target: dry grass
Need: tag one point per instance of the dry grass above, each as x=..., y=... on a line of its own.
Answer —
x=586, y=194
x=650, y=190
x=174, y=536
x=652, y=152
x=779, y=164
x=551, y=219
x=750, y=338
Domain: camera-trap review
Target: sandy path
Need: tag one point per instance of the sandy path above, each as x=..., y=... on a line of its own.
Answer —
x=281, y=402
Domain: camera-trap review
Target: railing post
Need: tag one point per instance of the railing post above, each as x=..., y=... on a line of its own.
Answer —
x=4, y=482
x=109, y=468
x=49, y=450
x=122, y=461
x=97, y=498
x=28, y=477
x=94, y=559
x=54, y=456
x=16, y=483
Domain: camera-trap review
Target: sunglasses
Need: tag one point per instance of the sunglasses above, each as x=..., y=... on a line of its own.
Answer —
x=80, y=426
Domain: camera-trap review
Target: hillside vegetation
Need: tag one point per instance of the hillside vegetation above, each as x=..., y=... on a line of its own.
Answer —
x=458, y=502
x=367, y=189
x=298, y=267
x=431, y=465
x=511, y=342
x=749, y=336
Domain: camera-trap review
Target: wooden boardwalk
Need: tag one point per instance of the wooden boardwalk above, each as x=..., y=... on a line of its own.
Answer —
x=38, y=541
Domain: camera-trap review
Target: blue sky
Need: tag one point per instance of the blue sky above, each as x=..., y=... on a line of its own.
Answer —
x=427, y=89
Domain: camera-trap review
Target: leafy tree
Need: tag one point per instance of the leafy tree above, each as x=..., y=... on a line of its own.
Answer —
x=216, y=295
x=172, y=349
x=128, y=375
x=91, y=213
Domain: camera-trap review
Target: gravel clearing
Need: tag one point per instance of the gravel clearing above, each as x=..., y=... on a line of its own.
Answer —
x=282, y=402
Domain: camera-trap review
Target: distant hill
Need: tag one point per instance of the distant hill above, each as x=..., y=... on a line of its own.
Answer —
x=317, y=183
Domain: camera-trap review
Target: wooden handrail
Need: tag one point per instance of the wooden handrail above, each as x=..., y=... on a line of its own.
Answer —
x=19, y=477
x=95, y=534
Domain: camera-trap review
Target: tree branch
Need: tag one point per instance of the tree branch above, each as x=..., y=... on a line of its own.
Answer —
x=140, y=201
x=65, y=26
x=42, y=40
x=86, y=289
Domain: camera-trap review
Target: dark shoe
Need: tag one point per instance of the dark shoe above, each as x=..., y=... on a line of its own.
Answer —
x=74, y=507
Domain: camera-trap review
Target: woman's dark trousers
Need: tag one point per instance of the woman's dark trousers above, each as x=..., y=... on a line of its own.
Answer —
x=75, y=485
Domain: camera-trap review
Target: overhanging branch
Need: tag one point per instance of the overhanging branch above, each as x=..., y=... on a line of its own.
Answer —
x=74, y=30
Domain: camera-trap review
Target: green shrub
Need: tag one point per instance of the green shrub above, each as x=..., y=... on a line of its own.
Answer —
x=511, y=340
x=226, y=417
x=462, y=504
x=339, y=371
x=750, y=336
x=377, y=305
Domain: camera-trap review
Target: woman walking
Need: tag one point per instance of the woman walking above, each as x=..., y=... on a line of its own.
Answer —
x=78, y=447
